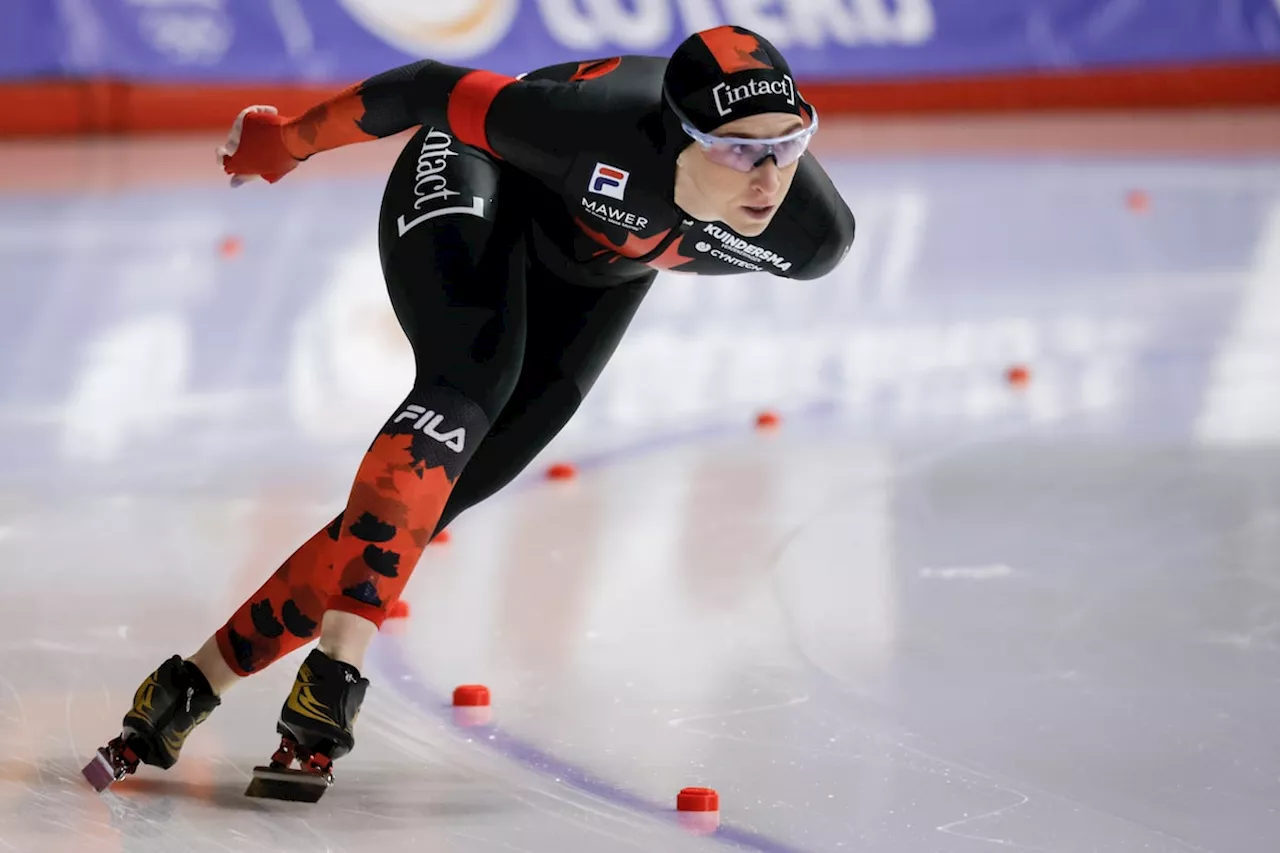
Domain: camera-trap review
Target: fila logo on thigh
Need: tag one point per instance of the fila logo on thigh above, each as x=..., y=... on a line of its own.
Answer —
x=431, y=184
x=428, y=422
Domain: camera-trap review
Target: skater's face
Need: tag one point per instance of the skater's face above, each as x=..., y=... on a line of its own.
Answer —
x=745, y=201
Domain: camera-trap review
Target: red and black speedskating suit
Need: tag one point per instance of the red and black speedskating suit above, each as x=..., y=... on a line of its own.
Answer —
x=520, y=229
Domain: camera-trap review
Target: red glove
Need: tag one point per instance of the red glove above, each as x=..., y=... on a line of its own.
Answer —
x=255, y=147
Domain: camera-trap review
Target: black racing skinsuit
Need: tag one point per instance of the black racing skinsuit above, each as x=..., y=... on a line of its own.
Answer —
x=520, y=229
x=546, y=203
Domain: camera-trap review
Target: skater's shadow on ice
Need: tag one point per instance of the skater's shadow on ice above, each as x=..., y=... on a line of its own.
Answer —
x=379, y=795
x=223, y=795
x=382, y=791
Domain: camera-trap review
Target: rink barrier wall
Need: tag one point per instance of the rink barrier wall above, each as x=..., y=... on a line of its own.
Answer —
x=74, y=107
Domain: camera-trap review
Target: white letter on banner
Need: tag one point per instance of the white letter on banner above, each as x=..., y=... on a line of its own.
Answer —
x=912, y=23
x=647, y=27
x=916, y=23
x=875, y=21
x=752, y=15
x=569, y=27
x=700, y=15
x=814, y=22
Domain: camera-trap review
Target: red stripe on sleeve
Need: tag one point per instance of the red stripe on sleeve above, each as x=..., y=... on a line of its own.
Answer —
x=469, y=106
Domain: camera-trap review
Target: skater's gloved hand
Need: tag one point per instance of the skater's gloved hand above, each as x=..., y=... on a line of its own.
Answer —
x=255, y=148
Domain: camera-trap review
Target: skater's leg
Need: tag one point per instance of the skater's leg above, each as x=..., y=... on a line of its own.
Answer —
x=346, y=636
x=459, y=293
x=454, y=263
x=179, y=695
x=210, y=661
x=456, y=282
x=343, y=635
x=293, y=586
x=573, y=331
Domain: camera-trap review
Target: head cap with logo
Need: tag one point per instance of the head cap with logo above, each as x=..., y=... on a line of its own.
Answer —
x=727, y=73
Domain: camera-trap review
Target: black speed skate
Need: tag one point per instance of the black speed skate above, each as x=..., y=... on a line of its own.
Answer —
x=315, y=729
x=167, y=707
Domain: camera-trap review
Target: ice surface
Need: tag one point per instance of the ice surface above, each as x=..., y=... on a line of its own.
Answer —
x=931, y=613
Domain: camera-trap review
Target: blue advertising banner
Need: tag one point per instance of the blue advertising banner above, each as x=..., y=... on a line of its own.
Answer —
x=31, y=39
x=331, y=41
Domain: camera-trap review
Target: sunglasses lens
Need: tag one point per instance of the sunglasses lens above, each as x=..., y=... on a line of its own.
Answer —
x=743, y=156
x=736, y=155
x=790, y=151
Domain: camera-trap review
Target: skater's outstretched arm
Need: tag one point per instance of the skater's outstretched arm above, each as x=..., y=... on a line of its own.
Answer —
x=525, y=122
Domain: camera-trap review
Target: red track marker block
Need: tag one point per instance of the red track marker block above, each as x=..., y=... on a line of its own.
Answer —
x=562, y=471
x=231, y=247
x=698, y=800
x=698, y=810
x=768, y=419
x=471, y=706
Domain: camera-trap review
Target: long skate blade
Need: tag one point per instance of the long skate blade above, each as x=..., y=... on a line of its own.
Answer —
x=298, y=786
x=99, y=772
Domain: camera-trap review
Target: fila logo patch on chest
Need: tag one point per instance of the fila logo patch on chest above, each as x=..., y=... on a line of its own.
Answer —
x=609, y=181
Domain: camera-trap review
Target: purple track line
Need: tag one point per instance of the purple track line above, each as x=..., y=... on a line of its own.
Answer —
x=390, y=659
